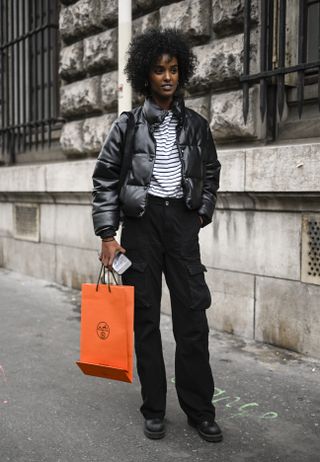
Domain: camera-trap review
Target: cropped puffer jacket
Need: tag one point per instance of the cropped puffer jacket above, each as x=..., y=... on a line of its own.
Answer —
x=200, y=166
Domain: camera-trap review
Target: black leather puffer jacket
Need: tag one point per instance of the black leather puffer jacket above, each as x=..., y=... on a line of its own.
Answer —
x=200, y=166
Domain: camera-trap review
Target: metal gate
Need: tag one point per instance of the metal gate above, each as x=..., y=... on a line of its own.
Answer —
x=28, y=74
x=272, y=74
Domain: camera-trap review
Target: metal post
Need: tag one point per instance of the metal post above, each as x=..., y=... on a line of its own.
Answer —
x=263, y=57
x=319, y=58
x=35, y=105
x=124, y=37
x=246, y=58
x=2, y=74
x=301, y=53
x=24, y=75
x=49, y=70
x=42, y=62
x=11, y=69
x=282, y=56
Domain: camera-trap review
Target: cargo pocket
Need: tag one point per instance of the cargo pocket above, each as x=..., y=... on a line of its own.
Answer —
x=200, y=297
x=136, y=275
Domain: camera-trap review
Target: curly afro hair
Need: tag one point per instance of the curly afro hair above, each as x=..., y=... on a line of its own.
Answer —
x=146, y=48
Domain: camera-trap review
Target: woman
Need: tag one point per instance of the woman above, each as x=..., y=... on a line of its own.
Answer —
x=169, y=193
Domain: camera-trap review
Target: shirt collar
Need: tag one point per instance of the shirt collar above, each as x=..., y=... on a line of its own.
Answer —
x=155, y=114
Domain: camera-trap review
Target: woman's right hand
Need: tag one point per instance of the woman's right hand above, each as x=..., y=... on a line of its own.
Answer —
x=108, y=251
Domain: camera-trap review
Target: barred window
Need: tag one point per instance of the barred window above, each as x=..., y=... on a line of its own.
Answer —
x=29, y=111
x=289, y=77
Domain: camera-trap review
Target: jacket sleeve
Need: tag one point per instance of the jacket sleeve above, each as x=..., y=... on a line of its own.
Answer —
x=106, y=175
x=211, y=179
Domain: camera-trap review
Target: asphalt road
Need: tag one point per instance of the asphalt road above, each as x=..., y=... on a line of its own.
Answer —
x=267, y=399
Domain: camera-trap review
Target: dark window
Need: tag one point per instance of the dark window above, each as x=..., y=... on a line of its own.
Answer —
x=28, y=74
x=289, y=76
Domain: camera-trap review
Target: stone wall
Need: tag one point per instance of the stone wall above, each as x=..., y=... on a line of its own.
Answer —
x=253, y=250
x=88, y=66
x=257, y=250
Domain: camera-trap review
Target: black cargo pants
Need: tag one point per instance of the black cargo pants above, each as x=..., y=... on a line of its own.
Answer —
x=165, y=240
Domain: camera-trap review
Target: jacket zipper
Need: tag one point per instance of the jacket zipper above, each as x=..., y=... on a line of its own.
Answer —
x=181, y=157
x=148, y=187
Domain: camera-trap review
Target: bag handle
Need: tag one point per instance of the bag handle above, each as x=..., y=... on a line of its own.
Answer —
x=103, y=270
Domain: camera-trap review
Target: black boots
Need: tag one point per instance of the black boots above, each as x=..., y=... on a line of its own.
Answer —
x=154, y=428
x=209, y=431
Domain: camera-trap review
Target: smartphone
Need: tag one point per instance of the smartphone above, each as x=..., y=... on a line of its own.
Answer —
x=121, y=263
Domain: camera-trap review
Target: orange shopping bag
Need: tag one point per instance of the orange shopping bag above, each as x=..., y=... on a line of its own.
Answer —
x=106, y=337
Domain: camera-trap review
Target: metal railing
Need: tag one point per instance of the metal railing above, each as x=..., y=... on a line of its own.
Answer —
x=29, y=92
x=274, y=71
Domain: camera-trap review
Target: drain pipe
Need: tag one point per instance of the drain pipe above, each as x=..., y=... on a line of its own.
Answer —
x=124, y=37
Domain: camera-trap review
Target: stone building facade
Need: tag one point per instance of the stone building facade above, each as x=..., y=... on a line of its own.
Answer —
x=262, y=249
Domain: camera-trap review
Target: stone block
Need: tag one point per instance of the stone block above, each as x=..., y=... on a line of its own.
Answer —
x=80, y=19
x=200, y=105
x=232, y=170
x=227, y=122
x=227, y=15
x=145, y=22
x=291, y=168
x=288, y=315
x=22, y=178
x=219, y=63
x=48, y=223
x=232, y=308
x=81, y=97
x=67, y=177
x=70, y=176
x=34, y=259
x=76, y=266
x=71, y=138
x=257, y=242
x=95, y=131
x=109, y=93
x=109, y=12
x=71, y=65
x=6, y=219
x=101, y=51
x=79, y=232
x=189, y=15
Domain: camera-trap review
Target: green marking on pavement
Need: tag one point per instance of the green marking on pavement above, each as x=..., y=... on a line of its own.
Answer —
x=245, y=410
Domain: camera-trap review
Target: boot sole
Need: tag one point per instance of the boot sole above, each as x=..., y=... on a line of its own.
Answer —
x=205, y=436
x=154, y=435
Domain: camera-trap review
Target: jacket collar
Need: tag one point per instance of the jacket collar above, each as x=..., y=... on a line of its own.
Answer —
x=155, y=114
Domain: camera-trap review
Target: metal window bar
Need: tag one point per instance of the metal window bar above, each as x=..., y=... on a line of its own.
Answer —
x=29, y=98
x=268, y=72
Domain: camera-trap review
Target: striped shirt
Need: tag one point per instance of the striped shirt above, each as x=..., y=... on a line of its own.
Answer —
x=166, y=175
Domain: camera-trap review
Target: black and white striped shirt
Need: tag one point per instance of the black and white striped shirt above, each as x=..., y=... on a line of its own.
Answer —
x=166, y=175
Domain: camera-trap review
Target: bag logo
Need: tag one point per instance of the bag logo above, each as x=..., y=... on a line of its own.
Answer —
x=103, y=330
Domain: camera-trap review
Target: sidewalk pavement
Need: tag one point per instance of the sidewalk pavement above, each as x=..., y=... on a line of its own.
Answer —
x=267, y=399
